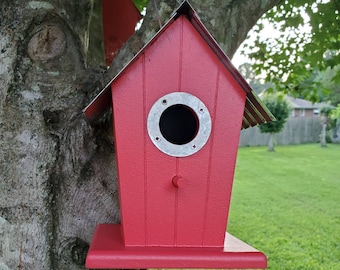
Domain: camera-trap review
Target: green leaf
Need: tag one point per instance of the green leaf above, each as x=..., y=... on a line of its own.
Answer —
x=291, y=59
x=140, y=4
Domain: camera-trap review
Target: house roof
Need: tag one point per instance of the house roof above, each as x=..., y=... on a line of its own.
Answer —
x=255, y=112
x=299, y=103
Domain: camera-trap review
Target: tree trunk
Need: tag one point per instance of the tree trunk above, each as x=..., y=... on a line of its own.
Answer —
x=57, y=175
x=271, y=142
x=323, y=141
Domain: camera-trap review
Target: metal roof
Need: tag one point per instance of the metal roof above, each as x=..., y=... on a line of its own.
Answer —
x=255, y=112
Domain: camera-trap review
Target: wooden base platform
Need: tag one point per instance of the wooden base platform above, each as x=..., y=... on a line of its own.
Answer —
x=107, y=251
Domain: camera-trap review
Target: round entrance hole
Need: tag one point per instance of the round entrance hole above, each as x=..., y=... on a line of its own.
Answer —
x=179, y=124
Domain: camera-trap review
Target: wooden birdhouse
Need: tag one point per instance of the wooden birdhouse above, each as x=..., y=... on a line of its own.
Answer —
x=119, y=20
x=178, y=110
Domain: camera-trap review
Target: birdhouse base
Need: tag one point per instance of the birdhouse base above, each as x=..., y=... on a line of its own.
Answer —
x=107, y=251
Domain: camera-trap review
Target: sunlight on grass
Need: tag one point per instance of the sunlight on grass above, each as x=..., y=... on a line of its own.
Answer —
x=286, y=204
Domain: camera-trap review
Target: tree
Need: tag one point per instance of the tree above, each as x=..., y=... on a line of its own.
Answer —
x=308, y=43
x=255, y=82
x=325, y=79
x=279, y=107
x=335, y=117
x=327, y=123
x=57, y=175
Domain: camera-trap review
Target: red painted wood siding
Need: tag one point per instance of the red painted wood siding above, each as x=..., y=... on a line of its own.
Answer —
x=154, y=212
x=119, y=20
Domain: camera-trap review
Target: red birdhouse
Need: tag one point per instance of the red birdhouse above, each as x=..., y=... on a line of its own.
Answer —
x=119, y=20
x=178, y=109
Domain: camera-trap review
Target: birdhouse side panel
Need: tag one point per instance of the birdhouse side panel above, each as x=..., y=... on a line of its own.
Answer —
x=129, y=129
x=228, y=121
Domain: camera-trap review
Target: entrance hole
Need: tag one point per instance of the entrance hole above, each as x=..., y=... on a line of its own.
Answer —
x=179, y=124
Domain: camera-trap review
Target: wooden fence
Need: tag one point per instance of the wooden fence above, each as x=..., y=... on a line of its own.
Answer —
x=296, y=131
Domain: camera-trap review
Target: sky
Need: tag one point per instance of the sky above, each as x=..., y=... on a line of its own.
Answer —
x=268, y=32
x=239, y=59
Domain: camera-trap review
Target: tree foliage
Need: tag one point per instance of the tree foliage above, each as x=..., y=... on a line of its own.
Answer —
x=279, y=107
x=329, y=116
x=308, y=42
x=325, y=79
x=335, y=117
x=254, y=81
x=140, y=4
x=327, y=124
x=335, y=114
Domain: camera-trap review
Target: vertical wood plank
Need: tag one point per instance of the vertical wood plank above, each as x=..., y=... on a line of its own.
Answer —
x=127, y=93
x=198, y=78
x=162, y=77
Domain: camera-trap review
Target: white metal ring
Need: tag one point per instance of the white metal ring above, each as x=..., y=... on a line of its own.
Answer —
x=200, y=112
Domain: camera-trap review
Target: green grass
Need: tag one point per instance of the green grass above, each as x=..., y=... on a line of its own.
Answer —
x=287, y=204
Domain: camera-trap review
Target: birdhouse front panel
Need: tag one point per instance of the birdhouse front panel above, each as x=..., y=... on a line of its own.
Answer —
x=177, y=117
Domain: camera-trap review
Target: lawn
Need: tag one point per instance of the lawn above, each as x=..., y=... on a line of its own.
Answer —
x=287, y=204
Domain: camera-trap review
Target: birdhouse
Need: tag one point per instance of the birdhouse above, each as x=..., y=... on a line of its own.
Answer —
x=178, y=109
x=119, y=20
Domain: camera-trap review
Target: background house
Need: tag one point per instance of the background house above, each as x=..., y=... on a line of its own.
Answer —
x=304, y=126
x=304, y=108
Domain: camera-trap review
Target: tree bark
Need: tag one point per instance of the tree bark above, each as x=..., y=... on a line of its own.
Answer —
x=271, y=142
x=323, y=135
x=57, y=175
